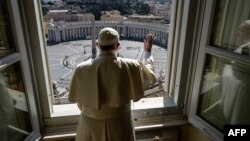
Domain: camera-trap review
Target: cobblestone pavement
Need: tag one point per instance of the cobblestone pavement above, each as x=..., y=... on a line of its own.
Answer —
x=64, y=57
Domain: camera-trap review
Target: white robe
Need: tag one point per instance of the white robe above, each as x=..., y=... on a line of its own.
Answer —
x=104, y=87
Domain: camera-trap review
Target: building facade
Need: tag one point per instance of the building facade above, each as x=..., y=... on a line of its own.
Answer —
x=160, y=10
x=65, y=15
x=146, y=18
x=60, y=32
x=112, y=16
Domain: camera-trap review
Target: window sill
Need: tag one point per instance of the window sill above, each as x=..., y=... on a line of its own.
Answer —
x=68, y=114
x=65, y=110
x=152, y=103
x=143, y=104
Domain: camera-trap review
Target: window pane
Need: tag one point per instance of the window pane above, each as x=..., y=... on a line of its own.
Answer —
x=7, y=45
x=14, y=120
x=225, y=92
x=231, y=26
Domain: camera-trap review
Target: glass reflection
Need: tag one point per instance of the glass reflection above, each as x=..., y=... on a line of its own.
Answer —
x=7, y=45
x=224, y=95
x=14, y=120
x=231, y=26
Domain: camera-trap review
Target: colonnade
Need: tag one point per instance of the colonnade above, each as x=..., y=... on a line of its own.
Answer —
x=60, y=32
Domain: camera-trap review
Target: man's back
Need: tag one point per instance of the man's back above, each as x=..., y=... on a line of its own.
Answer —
x=111, y=81
x=103, y=88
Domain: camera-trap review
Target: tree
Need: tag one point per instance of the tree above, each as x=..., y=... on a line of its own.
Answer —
x=142, y=8
x=50, y=3
x=96, y=10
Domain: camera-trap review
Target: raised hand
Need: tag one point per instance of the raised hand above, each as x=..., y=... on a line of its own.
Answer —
x=148, y=42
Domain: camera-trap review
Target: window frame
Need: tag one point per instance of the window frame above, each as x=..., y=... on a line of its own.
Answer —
x=188, y=52
x=20, y=56
x=194, y=119
x=205, y=48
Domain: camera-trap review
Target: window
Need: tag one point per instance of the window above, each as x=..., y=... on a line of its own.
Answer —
x=56, y=115
x=221, y=91
x=18, y=112
x=70, y=29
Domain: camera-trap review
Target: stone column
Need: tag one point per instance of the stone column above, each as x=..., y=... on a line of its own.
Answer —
x=49, y=36
x=70, y=34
